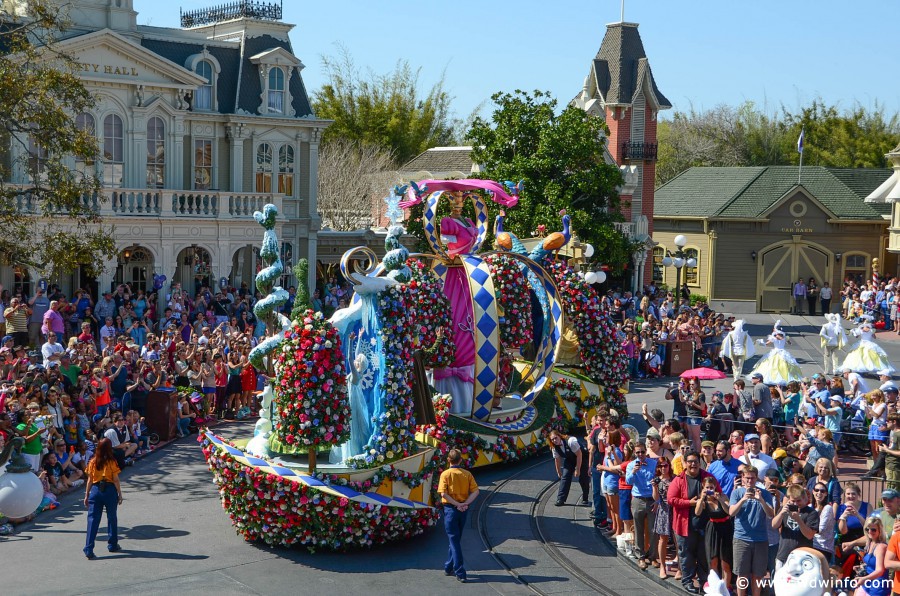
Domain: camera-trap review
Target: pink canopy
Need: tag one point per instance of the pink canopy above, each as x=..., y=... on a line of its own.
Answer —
x=703, y=373
x=497, y=192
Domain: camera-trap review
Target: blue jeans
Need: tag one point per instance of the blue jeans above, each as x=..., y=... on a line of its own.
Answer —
x=97, y=500
x=184, y=425
x=454, y=523
x=600, y=513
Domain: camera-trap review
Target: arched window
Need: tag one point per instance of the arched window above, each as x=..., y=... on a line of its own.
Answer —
x=203, y=97
x=856, y=267
x=659, y=254
x=276, y=90
x=113, y=151
x=692, y=274
x=85, y=122
x=156, y=153
x=21, y=282
x=286, y=170
x=264, y=168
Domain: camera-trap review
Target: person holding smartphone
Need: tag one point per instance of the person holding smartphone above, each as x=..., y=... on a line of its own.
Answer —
x=752, y=509
x=796, y=521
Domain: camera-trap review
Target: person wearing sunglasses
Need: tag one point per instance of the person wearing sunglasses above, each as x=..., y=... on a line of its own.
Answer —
x=875, y=578
x=31, y=432
x=823, y=541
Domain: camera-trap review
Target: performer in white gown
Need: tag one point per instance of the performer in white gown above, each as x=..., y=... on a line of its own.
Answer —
x=833, y=340
x=778, y=367
x=866, y=356
x=737, y=347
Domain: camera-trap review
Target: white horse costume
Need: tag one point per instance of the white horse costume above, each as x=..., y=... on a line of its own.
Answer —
x=833, y=339
x=738, y=347
x=866, y=355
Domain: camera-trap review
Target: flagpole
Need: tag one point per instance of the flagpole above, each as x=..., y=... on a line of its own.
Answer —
x=800, y=169
x=800, y=150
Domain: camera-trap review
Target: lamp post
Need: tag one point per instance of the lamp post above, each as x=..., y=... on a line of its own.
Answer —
x=678, y=259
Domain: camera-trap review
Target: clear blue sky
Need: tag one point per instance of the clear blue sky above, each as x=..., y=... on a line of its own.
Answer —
x=702, y=52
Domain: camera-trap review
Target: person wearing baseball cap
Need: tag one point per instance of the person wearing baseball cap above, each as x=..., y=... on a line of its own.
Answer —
x=754, y=456
x=890, y=512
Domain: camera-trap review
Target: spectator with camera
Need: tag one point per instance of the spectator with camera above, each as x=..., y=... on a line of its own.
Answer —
x=752, y=510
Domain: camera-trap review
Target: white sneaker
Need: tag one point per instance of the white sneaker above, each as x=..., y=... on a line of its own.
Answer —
x=78, y=482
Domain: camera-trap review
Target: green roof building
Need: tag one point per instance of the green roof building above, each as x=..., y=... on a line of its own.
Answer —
x=755, y=230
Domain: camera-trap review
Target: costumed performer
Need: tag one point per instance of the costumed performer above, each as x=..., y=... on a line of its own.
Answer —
x=778, y=367
x=459, y=234
x=866, y=356
x=833, y=339
x=360, y=332
x=737, y=347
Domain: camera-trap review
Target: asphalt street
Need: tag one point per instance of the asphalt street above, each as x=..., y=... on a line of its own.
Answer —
x=177, y=538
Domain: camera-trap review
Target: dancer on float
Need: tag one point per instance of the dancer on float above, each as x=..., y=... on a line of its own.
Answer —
x=778, y=367
x=460, y=235
x=866, y=356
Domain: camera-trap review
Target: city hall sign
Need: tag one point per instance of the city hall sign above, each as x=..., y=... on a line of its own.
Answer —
x=127, y=71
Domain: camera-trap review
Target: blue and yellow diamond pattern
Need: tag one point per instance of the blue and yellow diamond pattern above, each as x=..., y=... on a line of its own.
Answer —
x=486, y=328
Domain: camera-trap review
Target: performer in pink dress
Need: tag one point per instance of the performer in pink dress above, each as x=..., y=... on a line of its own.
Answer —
x=459, y=233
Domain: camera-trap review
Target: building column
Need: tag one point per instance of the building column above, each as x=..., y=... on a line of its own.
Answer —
x=235, y=133
x=176, y=142
x=107, y=277
x=312, y=209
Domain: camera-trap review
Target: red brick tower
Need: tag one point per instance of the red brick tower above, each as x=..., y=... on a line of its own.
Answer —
x=620, y=87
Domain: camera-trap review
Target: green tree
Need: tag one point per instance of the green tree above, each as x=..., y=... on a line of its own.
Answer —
x=46, y=223
x=560, y=159
x=854, y=138
x=750, y=135
x=385, y=110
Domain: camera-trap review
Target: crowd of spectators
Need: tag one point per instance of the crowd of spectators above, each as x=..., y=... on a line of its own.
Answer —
x=75, y=370
x=738, y=480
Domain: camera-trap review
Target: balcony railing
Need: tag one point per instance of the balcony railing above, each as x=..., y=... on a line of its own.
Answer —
x=639, y=151
x=232, y=10
x=143, y=202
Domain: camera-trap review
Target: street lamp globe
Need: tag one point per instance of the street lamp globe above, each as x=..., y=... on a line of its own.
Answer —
x=588, y=251
x=691, y=262
x=601, y=277
x=667, y=261
x=678, y=262
x=680, y=240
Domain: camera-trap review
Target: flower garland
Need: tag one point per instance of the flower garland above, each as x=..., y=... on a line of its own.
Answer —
x=310, y=388
x=393, y=437
x=604, y=360
x=282, y=512
x=511, y=289
x=431, y=312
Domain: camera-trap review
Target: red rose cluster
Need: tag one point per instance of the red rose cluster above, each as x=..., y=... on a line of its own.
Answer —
x=511, y=289
x=311, y=389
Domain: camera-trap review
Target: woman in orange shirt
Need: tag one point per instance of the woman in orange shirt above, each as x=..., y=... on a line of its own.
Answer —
x=103, y=490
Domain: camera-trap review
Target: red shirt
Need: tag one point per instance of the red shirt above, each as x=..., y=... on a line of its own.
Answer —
x=681, y=504
x=622, y=484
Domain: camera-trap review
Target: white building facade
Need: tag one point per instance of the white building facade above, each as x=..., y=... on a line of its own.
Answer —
x=198, y=127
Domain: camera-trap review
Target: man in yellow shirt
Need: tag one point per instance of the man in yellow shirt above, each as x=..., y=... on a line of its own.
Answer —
x=458, y=490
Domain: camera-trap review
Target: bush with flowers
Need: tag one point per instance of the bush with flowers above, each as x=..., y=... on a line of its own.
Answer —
x=312, y=410
x=511, y=289
x=431, y=311
x=283, y=512
x=604, y=360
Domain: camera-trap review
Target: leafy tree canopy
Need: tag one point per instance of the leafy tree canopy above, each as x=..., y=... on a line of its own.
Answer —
x=750, y=136
x=46, y=224
x=385, y=110
x=560, y=158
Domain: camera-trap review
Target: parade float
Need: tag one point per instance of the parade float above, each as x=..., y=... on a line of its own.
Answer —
x=431, y=354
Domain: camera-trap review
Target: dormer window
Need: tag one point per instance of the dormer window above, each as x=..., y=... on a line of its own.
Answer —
x=208, y=68
x=204, y=94
x=276, y=90
x=276, y=66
